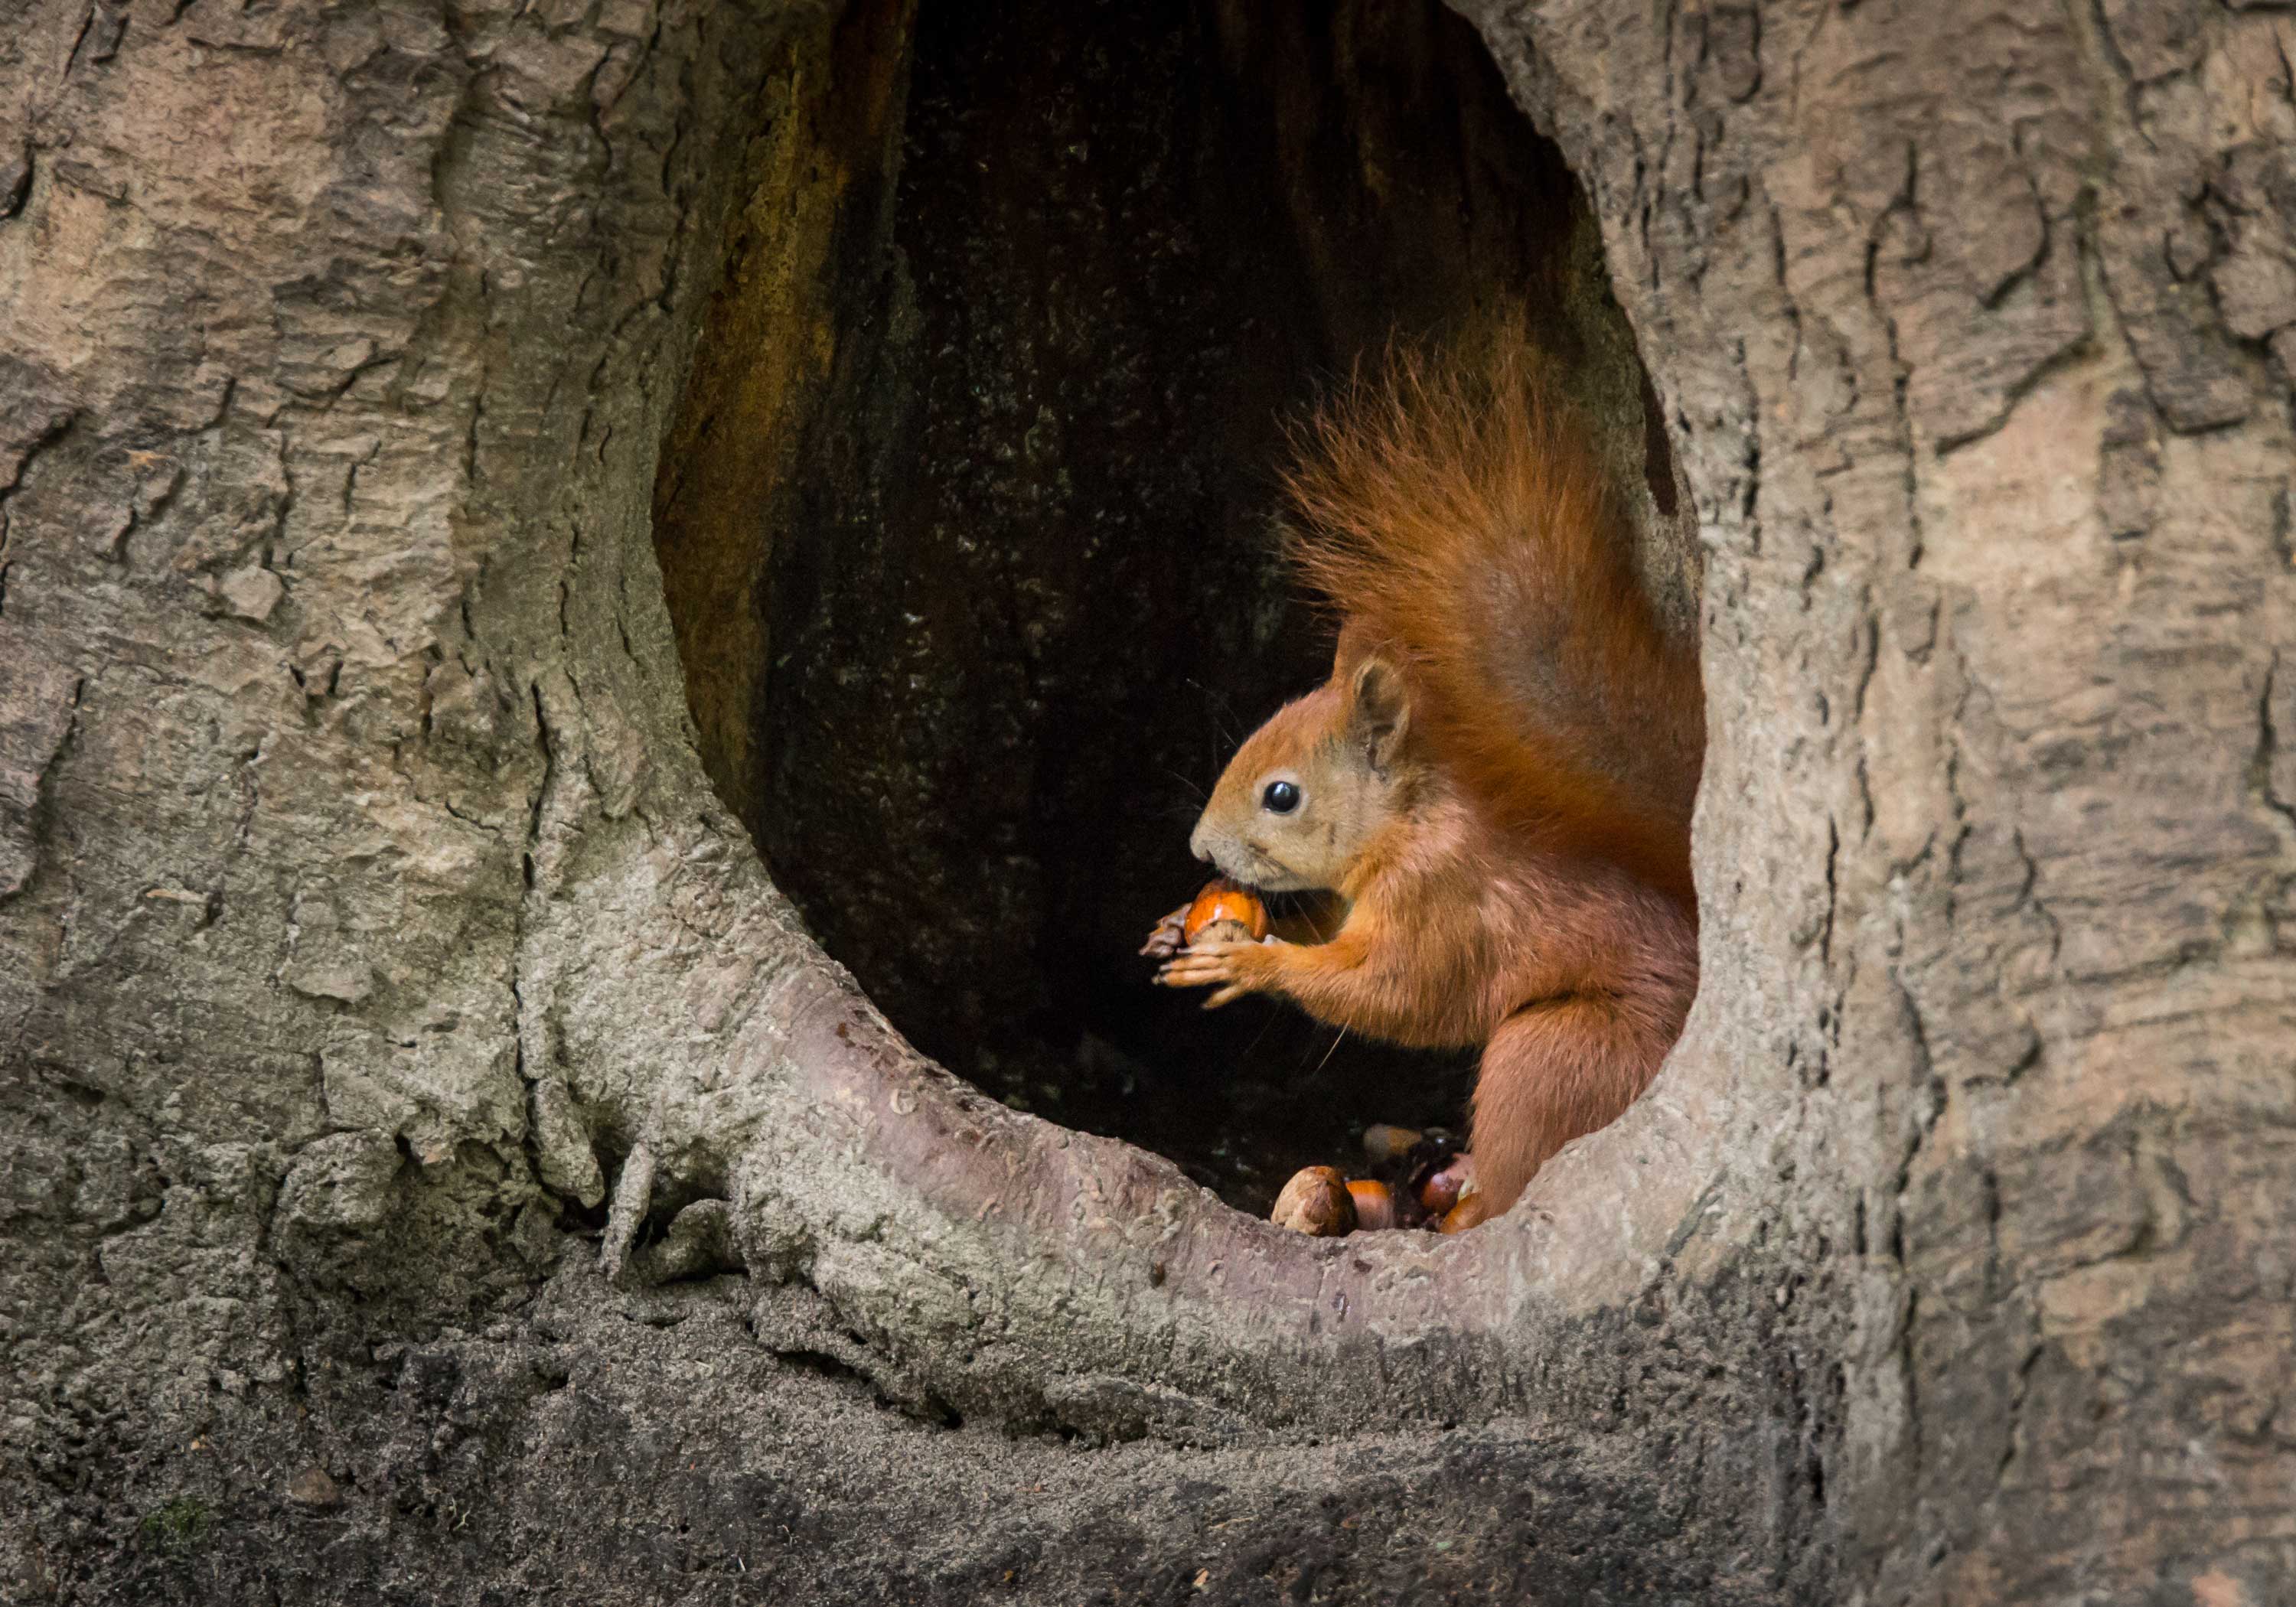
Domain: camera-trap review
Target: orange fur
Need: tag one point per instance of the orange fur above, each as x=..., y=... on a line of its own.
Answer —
x=1514, y=851
x=1453, y=515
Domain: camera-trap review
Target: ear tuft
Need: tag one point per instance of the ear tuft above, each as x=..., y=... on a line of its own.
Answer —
x=1379, y=709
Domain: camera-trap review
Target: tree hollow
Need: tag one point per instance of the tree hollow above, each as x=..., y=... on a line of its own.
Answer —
x=966, y=521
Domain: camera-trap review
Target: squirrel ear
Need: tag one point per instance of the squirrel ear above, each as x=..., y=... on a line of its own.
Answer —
x=1379, y=709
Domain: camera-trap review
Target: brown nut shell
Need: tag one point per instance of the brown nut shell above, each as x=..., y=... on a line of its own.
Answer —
x=1223, y=901
x=1383, y=1141
x=1316, y=1202
x=1374, y=1203
x=1445, y=1188
x=1223, y=932
x=1469, y=1212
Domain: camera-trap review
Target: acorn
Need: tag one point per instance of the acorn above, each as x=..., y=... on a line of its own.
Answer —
x=1316, y=1202
x=1225, y=910
x=1374, y=1203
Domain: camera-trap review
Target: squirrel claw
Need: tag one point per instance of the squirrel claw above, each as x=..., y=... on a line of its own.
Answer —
x=1168, y=937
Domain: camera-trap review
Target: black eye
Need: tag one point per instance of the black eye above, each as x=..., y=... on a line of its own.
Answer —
x=1281, y=797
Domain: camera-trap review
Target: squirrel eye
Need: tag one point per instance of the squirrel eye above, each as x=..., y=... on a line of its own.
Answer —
x=1281, y=797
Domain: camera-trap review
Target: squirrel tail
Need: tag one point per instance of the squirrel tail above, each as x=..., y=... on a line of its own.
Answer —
x=1456, y=516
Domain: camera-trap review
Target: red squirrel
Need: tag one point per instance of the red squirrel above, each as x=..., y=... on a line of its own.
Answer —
x=1496, y=782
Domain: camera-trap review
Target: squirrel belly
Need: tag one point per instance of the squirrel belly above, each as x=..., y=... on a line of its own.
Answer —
x=1497, y=779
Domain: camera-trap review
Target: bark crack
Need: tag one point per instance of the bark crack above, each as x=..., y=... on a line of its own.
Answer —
x=38, y=769
x=2072, y=354
x=52, y=432
x=1905, y=202
x=2028, y=895
x=2266, y=758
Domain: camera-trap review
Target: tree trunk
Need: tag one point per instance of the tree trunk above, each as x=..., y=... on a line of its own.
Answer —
x=441, y=1165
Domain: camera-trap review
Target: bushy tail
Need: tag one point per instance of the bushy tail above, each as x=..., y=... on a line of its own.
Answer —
x=1456, y=516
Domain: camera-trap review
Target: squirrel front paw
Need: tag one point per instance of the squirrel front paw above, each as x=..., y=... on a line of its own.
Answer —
x=1235, y=966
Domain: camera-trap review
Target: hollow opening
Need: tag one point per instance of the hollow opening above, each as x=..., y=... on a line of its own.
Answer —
x=966, y=520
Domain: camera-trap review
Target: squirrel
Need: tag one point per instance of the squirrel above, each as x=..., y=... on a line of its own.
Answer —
x=1496, y=783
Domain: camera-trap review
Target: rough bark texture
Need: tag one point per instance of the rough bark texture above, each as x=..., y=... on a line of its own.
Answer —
x=1976, y=338
x=439, y=1165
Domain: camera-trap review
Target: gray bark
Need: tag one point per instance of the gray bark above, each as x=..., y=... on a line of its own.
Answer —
x=440, y=1167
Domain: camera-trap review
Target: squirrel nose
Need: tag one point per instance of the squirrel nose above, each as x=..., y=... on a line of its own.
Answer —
x=1198, y=847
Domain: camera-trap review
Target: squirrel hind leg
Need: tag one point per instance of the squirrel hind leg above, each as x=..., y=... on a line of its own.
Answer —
x=1553, y=1071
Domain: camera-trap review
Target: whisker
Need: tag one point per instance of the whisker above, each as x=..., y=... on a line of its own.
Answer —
x=1217, y=706
x=1189, y=784
x=1266, y=1022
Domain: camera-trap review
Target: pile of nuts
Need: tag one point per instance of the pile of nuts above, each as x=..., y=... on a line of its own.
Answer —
x=1423, y=1180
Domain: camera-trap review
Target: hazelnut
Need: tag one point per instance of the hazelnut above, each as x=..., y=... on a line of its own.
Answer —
x=1469, y=1212
x=1317, y=1203
x=1223, y=905
x=1374, y=1203
x=1446, y=1184
x=1384, y=1142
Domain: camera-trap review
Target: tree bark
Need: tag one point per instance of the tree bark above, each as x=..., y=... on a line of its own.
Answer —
x=441, y=1166
x=1984, y=396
